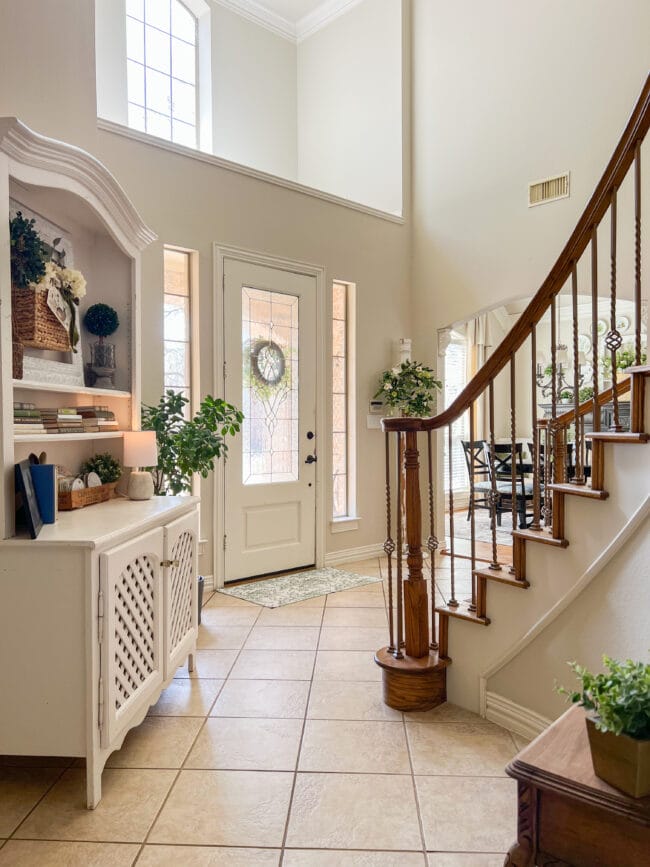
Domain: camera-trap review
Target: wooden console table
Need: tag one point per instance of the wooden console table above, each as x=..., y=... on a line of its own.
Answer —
x=569, y=817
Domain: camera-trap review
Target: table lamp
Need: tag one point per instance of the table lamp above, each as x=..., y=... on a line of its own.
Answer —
x=140, y=450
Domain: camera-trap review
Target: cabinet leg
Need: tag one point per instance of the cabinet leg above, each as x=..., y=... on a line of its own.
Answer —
x=190, y=662
x=522, y=852
x=93, y=783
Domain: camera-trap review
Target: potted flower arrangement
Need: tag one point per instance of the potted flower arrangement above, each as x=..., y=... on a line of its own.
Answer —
x=409, y=389
x=618, y=722
x=45, y=294
x=102, y=321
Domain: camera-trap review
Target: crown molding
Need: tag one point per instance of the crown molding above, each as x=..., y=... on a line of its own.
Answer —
x=53, y=160
x=309, y=24
x=260, y=15
x=323, y=15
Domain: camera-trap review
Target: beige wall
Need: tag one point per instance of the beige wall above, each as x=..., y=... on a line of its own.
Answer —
x=505, y=93
x=253, y=95
x=349, y=103
x=194, y=204
x=610, y=616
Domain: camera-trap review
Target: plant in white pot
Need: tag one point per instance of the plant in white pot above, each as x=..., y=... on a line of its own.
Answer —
x=618, y=722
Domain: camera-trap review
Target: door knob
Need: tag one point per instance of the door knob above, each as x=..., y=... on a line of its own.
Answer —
x=311, y=459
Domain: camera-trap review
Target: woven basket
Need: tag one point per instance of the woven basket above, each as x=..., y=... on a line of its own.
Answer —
x=35, y=324
x=16, y=360
x=69, y=500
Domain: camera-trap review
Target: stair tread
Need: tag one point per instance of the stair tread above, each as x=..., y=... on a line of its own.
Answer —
x=580, y=491
x=502, y=576
x=543, y=536
x=624, y=436
x=462, y=612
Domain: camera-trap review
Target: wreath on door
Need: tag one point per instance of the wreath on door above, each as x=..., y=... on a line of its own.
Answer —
x=268, y=363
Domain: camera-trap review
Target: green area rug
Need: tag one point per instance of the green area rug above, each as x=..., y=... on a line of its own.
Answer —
x=286, y=589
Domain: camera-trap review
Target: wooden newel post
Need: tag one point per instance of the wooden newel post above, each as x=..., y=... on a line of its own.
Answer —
x=416, y=604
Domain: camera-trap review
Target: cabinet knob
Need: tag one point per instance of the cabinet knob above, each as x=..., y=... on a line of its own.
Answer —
x=167, y=563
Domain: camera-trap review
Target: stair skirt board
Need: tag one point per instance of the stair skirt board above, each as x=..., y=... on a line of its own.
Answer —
x=514, y=717
x=617, y=543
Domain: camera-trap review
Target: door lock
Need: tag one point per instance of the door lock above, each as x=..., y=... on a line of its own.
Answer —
x=311, y=459
x=310, y=434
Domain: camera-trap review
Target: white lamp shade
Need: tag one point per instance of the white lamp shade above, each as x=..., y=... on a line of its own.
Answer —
x=140, y=449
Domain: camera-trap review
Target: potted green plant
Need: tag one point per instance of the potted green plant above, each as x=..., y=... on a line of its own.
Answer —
x=188, y=446
x=566, y=396
x=585, y=393
x=409, y=389
x=102, y=321
x=625, y=357
x=106, y=466
x=618, y=722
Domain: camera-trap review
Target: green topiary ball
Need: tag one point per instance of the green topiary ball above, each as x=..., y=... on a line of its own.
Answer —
x=101, y=320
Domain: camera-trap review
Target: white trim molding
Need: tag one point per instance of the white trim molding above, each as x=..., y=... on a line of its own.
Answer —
x=36, y=159
x=351, y=555
x=153, y=141
x=617, y=543
x=344, y=524
x=294, y=31
x=514, y=717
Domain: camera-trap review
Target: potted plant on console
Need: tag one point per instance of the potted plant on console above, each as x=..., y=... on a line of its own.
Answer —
x=618, y=722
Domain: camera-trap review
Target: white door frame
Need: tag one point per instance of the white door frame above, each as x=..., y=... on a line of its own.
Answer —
x=221, y=253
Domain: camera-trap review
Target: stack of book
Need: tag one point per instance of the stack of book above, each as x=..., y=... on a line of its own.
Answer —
x=98, y=418
x=65, y=419
x=27, y=419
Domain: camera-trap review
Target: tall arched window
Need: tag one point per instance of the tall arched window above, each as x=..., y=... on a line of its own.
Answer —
x=161, y=52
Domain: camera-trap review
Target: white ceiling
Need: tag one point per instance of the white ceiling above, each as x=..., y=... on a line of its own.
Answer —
x=292, y=10
x=293, y=19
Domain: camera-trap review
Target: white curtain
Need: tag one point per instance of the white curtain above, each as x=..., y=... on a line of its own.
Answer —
x=482, y=334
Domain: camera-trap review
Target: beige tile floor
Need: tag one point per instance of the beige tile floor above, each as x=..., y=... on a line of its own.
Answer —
x=278, y=750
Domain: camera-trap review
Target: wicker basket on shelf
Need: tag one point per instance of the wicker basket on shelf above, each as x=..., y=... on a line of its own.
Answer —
x=35, y=324
x=16, y=354
x=69, y=500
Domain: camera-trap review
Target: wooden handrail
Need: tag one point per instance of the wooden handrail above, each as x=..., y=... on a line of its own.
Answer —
x=616, y=170
x=567, y=418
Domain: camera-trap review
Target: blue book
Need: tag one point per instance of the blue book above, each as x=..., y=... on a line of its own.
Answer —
x=44, y=481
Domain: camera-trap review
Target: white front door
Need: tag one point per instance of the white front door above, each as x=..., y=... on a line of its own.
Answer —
x=270, y=476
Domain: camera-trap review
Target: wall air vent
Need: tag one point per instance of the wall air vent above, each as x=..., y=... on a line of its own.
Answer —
x=548, y=190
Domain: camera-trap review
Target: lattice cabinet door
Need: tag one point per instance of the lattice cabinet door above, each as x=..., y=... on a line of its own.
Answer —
x=180, y=580
x=132, y=633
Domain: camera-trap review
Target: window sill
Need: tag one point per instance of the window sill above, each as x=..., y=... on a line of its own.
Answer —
x=345, y=524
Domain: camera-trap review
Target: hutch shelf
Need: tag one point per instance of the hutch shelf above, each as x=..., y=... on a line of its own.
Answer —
x=100, y=610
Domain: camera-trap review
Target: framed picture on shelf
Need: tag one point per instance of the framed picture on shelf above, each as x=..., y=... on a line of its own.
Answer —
x=26, y=502
x=44, y=366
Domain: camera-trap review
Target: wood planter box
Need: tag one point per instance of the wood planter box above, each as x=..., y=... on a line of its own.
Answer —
x=620, y=760
x=69, y=500
x=34, y=323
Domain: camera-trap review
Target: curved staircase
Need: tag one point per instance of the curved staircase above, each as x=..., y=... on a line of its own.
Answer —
x=415, y=660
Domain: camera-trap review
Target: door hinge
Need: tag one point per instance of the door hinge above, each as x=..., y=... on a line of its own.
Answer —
x=169, y=563
x=225, y=374
x=224, y=541
x=100, y=617
x=100, y=704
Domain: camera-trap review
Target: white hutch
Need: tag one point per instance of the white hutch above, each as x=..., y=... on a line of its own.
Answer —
x=99, y=611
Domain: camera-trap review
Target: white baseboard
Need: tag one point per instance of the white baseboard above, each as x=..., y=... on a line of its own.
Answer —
x=350, y=555
x=208, y=583
x=514, y=717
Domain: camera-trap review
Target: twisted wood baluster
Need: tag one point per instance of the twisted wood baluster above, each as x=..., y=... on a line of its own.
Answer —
x=432, y=544
x=453, y=602
x=579, y=476
x=637, y=253
x=594, y=327
x=535, y=523
x=389, y=547
x=494, y=494
x=613, y=340
x=472, y=436
x=513, y=448
x=551, y=429
x=398, y=654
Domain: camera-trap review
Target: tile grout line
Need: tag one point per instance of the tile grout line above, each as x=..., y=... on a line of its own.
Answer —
x=302, y=734
x=191, y=747
x=415, y=790
x=46, y=792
